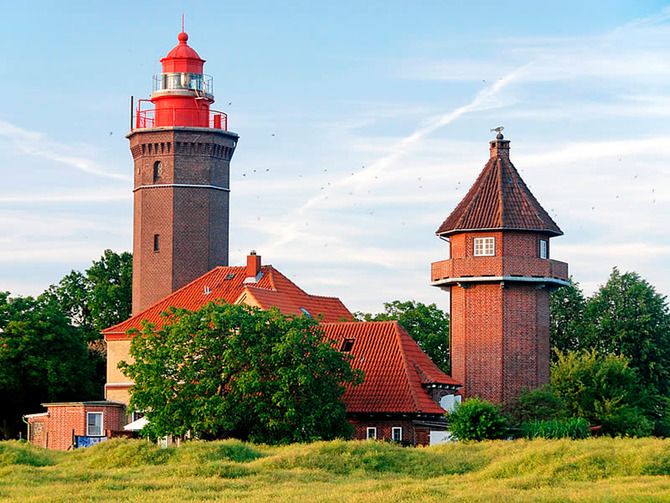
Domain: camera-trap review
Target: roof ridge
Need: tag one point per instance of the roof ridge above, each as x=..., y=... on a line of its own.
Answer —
x=406, y=364
x=200, y=278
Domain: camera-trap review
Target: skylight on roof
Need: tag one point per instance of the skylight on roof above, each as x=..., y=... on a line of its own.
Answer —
x=347, y=345
x=306, y=312
x=230, y=276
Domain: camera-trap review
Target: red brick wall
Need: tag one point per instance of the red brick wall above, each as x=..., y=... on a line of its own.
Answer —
x=526, y=337
x=499, y=333
x=192, y=222
x=64, y=419
x=416, y=435
x=476, y=339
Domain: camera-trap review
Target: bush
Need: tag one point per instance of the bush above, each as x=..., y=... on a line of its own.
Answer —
x=572, y=427
x=477, y=419
x=604, y=390
x=542, y=404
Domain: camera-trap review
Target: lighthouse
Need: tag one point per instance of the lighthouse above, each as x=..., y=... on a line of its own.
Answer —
x=181, y=149
x=499, y=274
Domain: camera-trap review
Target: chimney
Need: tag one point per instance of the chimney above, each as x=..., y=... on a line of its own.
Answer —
x=500, y=147
x=253, y=266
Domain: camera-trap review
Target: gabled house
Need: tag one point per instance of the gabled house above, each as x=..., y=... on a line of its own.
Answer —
x=403, y=394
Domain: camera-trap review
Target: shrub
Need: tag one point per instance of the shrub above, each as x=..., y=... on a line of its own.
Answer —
x=477, y=419
x=571, y=427
x=541, y=404
x=604, y=390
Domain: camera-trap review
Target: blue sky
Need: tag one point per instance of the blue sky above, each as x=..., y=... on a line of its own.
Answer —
x=362, y=124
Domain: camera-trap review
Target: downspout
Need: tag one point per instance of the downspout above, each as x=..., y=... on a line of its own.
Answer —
x=29, y=438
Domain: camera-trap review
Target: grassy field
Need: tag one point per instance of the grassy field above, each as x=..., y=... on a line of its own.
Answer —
x=601, y=469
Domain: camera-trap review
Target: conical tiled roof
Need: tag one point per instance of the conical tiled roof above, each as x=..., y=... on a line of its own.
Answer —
x=498, y=200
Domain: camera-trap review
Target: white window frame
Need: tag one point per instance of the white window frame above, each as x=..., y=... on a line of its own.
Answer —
x=89, y=431
x=394, y=430
x=544, y=248
x=484, y=247
x=371, y=433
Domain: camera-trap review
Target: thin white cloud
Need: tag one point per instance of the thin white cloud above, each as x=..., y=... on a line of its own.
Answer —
x=80, y=196
x=38, y=144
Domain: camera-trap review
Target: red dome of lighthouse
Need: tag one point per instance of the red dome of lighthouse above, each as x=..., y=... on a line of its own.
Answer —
x=183, y=58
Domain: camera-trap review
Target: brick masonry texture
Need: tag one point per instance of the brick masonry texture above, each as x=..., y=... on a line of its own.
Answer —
x=65, y=420
x=191, y=222
x=411, y=432
x=499, y=332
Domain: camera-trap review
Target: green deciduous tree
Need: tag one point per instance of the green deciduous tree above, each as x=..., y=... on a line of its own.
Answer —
x=426, y=324
x=603, y=389
x=567, y=318
x=100, y=297
x=234, y=371
x=628, y=317
x=43, y=358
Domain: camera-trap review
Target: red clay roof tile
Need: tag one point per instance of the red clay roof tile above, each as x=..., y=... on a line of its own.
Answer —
x=499, y=199
x=396, y=369
x=273, y=289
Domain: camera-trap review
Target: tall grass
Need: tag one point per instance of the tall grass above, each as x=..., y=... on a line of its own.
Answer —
x=572, y=427
x=602, y=469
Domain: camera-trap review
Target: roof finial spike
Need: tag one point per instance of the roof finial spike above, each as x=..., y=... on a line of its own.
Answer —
x=182, y=21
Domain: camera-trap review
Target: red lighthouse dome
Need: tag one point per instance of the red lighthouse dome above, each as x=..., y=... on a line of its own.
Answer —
x=182, y=93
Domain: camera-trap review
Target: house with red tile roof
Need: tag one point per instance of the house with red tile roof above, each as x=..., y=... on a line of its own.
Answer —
x=403, y=394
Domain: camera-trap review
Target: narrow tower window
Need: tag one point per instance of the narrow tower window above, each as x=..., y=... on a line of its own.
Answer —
x=158, y=171
x=157, y=242
x=544, y=248
x=484, y=247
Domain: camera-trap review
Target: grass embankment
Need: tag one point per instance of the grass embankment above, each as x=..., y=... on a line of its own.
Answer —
x=539, y=470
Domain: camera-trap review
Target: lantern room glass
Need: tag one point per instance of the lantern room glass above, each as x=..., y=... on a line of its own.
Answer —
x=183, y=81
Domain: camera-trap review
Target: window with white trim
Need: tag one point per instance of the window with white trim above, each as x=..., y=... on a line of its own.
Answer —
x=372, y=433
x=544, y=248
x=484, y=247
x=94, y=424
x=396, y=433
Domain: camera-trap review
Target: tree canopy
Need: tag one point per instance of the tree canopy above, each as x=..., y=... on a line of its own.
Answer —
x=98, y=298
x=603, y=389
x=235, y=371
x=626, y=316
x=43, y=358
x=426, y=324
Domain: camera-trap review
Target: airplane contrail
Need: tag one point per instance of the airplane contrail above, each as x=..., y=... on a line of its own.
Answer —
x=482, y=100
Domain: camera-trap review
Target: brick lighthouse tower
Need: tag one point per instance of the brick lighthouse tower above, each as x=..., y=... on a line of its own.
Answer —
x=181, y=151
x=499, y=276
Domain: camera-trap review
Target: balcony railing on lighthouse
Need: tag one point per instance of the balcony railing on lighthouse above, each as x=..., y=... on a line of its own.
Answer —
x=193, y=117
